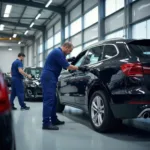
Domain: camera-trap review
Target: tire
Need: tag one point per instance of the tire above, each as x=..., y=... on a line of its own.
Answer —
x=60, y=107
x=103, y=119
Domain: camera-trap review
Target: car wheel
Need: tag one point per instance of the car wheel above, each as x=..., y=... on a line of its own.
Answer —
x=100, y=113
x=60, y=107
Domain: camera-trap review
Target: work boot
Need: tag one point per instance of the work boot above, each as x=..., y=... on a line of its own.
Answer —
x=25, y=108
x=13, y=108
x=58, y=122
x=50, y=127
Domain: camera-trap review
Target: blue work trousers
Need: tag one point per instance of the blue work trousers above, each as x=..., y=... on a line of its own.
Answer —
x=49, y=82
x=17, y=89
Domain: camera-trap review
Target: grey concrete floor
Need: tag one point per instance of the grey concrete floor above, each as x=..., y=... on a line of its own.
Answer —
x=76, y=134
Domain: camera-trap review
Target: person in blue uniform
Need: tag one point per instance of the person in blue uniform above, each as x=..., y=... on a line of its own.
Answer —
x=17, y=87
x=56, y=60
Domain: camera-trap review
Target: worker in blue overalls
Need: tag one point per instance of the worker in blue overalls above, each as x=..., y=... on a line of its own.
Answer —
x=17, y=82
x=55, y=61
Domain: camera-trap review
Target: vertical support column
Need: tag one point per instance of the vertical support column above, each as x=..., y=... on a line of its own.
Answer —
x=33, y=49
x=44, y=43
x=82, y=13
x=22, y=49
x=128, y=18
x=62, y=28
x=101, y=17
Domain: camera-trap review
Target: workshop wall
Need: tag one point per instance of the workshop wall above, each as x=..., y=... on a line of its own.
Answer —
x=7, y=57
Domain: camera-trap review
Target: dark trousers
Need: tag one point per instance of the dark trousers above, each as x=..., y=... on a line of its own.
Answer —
x=49, y=82
x=17, y=90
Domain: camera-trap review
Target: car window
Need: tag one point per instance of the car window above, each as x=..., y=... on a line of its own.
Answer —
x=94, y=55
x=79, y=62
x=109, y=51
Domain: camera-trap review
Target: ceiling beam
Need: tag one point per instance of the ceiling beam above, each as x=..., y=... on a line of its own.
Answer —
x=19, y=36
x=20, y=24
x=30, y=3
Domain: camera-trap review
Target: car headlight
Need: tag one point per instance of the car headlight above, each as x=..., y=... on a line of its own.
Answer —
x=32, y=85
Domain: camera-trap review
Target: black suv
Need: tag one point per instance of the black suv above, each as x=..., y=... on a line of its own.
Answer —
x=116, y=86
x=33, y=89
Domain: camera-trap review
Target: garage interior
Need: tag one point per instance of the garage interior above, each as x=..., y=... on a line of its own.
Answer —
x=36, y=27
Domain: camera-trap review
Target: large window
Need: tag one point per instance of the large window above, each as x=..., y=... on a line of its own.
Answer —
x=66, y=32
x=76, y=51
x=40, y=49
x=57, y=38
x=113, y=5
x=91, y=33
x=91, y=17
x=90, y=43
x=76, y=26
x=118, y=34
x=141, y=30
x=77, y=39
x=50, y=42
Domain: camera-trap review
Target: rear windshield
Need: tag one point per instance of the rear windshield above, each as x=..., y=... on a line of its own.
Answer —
x=140, y=48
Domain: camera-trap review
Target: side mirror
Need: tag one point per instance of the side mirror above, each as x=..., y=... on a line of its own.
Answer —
x=71, y=59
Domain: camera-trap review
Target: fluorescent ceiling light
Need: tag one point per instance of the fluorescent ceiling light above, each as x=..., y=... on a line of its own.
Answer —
x=7, y=10
x=19, y=42
x=1, y=27
x=48, y=3
x=31, y=24
x=10, y=49
x=15, y=35
x=26, y=32
x=38, y=16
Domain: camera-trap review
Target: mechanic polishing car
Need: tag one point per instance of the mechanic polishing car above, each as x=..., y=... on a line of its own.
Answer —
x=55, y=61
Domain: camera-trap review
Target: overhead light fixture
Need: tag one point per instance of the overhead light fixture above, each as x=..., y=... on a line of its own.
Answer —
x=19, y=42
x=10, y=49
x=38, y=16
x=31, y=24
x=15, y=35
x=48, y=3
x=7, y=10
x=1, y=27
x=10, y=38
x=26, y=32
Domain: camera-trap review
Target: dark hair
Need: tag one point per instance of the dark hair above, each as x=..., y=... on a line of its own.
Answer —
x=68, y=45
x=21, y=54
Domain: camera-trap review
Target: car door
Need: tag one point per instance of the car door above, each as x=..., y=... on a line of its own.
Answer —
x=93, y=56
x=67, y=83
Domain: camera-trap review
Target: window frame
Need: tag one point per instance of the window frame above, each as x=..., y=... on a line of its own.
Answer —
x=117, y=50
x=90, y=49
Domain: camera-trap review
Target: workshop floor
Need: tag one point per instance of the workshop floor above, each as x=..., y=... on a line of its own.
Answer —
x=76, y=134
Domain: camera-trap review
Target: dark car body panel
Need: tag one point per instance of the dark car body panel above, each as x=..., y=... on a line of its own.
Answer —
x=7, y=141
x=75, y=88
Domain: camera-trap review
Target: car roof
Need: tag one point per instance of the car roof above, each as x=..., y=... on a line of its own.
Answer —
x=114, y=41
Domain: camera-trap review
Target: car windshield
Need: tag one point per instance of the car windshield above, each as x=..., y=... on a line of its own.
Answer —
x=36, y=72
x=140, y=49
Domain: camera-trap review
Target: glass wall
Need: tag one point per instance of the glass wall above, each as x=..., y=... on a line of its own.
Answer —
x=82, y=30
x=137, y=33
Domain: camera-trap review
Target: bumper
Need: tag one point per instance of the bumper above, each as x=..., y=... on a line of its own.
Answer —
x=32, y=92
x=129, y=111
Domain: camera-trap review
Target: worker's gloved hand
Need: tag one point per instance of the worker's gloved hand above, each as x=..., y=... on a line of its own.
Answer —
x=71, y=59
x=83, y=68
